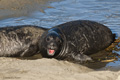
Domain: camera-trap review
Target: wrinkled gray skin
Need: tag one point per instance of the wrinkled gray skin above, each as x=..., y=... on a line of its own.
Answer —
x=80, y=39
x=19, y=40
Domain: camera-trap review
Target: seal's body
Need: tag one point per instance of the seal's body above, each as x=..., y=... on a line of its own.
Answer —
x=75, y=40
x=20, y=40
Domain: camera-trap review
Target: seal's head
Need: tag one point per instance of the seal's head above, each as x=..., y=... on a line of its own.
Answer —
x=52, y=45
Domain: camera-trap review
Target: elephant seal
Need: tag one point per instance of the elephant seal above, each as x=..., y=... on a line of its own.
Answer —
x=16, y=41
x=75, y=40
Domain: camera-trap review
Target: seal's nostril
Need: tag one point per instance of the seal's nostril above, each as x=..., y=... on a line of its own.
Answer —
x=52, y=44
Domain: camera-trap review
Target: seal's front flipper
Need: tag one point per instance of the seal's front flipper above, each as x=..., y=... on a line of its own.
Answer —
x=81, y=58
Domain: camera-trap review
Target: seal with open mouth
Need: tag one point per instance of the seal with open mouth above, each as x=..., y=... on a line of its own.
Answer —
x=75, y=40
x=18, y=41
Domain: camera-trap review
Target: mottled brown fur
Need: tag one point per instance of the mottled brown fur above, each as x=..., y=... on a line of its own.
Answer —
x=20, y=40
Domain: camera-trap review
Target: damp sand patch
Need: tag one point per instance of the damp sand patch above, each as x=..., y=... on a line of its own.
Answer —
x=17, y=8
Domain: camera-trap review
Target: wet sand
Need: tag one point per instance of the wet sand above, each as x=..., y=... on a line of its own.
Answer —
x=16, y=8
x=43, y=69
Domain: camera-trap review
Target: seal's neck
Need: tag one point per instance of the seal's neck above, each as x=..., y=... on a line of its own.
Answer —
x=64, y=48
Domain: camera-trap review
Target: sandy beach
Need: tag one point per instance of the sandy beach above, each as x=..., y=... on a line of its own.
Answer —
x=42, y=68
x=50, y=69
x=16, y=8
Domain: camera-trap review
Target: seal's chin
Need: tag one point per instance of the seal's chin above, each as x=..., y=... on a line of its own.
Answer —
x=50, y=52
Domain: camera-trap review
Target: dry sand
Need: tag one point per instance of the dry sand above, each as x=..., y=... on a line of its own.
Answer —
x=50, y=69
x=42, y=69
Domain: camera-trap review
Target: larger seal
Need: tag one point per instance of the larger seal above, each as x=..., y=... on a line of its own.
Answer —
x=20, y=40
x=75, y=40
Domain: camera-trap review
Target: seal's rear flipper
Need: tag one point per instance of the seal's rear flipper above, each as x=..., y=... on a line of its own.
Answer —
x=114, y=35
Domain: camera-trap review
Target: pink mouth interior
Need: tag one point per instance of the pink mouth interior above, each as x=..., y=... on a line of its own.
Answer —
x=51, y=51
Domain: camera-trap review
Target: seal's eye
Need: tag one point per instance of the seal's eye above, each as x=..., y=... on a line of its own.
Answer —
x=47, y=39
x=58, y=40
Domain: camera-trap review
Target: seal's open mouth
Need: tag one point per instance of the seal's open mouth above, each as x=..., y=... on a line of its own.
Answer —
x=50, y=52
